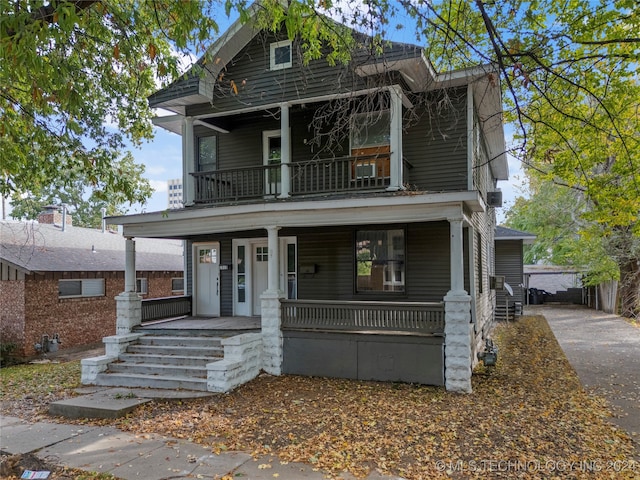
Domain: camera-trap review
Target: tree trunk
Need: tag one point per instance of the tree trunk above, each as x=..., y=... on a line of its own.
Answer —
x=629, y=288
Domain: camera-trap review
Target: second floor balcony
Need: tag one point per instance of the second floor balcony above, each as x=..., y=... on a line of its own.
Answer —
x=313, y=177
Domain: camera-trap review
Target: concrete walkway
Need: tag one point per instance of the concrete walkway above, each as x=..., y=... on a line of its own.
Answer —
x=147, y=456
x=604, y=350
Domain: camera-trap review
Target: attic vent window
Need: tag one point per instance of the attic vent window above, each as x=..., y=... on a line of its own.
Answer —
x=281, y=55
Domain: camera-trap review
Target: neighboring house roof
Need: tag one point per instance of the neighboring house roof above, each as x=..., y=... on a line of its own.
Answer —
x=37, y=247
x=504, y=233
x=550, y=269
x=408, y=60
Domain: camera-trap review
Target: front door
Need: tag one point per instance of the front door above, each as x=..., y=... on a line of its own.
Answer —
x=260, y=277
x=207, y=276
x=272, y=155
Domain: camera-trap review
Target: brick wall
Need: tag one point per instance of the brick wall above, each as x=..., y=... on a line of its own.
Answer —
x=79, y=321
x=12, y=313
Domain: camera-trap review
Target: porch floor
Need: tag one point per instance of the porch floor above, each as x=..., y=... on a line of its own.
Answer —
x=223, y=326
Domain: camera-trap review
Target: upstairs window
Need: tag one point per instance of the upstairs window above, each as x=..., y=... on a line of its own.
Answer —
x=281, y=55
x=207, y=153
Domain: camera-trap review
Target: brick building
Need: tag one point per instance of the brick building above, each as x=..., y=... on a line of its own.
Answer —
x=59, y=281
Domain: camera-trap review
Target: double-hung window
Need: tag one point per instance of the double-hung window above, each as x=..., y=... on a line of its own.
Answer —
x=380, y=260
x=207, y=153
x=142, y=286
x=370, y=139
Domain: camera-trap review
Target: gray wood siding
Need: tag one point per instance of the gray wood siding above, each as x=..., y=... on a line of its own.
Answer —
x=243, y=147
x=436, y=146
x=332, y=250
x=509, y=264
x=258, y=85
x=428, y=275
x=226, y=278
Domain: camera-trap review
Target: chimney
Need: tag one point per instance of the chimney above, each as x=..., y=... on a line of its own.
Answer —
x=51, y=215
x=64, y=216
x=104, y=221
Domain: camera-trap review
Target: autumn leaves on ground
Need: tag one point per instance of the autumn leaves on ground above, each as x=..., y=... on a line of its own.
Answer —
x=528, y=417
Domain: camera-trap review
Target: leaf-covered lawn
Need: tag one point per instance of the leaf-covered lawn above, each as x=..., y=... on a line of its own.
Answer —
x=26, y=390
x=528, y=417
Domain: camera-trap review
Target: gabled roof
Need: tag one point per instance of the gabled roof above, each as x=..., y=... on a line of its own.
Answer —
x=408, y=60
x=35, y=247
x=504, y=233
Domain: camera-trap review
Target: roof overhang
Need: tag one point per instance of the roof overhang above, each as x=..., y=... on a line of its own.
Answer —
x=526, y=239
x=386, y=209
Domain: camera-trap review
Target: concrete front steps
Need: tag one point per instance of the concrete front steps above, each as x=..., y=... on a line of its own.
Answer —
x=164, y=362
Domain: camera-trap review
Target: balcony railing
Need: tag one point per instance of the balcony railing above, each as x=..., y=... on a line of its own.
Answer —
x=237, y=183
x=414, y=317
x=334, y=175
x=165, y=307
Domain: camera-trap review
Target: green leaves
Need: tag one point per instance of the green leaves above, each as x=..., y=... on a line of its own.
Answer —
x=70, y=69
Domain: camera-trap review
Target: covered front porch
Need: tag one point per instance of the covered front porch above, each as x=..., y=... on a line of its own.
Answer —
x=301, y=318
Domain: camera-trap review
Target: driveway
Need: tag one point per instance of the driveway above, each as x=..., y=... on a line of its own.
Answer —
x=604, y=350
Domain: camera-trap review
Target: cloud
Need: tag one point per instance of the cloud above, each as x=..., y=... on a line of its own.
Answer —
x=155, y=170
x=159, y=185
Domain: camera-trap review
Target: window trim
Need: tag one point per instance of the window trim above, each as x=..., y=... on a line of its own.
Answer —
x=272, y=55
x=83, y=293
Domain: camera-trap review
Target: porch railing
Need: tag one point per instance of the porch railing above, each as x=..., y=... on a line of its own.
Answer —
x=165, y=307
x=416, y=317
x=340, y=174
x=237, y=183
x=333, y=175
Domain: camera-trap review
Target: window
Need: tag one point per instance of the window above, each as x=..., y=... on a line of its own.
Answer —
x=372, y=129
x=262, y=254
x=291, y=271
x=281, y=55
x=241, y=274
x=93, y=287
x=370, y=138
x=142, y=286
x=177, y=285
x=207, y=153
x=208, y=255
x=380, y=262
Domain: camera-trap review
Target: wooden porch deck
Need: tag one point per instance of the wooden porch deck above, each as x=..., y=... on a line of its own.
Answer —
x=202, y=325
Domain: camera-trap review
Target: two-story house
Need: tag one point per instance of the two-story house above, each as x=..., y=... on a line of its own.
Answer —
x=349, y=207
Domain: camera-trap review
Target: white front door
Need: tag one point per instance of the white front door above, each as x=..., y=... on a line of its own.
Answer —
x=207, y=276
x=260, y=274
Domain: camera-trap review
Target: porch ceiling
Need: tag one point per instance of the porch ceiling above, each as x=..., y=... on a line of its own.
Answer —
x=400, y=208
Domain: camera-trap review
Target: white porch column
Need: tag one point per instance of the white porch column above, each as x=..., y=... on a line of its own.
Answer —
x=458, y=326
x=128, y=303
x=130, y=265
x=270, y=307
x=188, y=161
x=285, y=151
x=395, y=140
